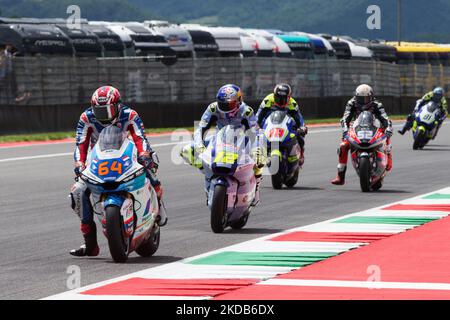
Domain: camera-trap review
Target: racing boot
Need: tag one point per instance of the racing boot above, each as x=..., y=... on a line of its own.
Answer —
x=90, y=247
x=258, y=183
x=301, y=160
x=408, y=125
x=340, y=178
x=161, y=220
x=389, y=162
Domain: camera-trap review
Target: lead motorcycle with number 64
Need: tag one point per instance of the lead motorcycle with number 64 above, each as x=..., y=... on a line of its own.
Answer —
x=122, y=196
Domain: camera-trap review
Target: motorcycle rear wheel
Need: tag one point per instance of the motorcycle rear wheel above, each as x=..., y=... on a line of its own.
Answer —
x=293, y=181
x=364, y=174
x=218, y=209
x=116, y=242
x=151, y=245
x=239, y=224
x=377, y=186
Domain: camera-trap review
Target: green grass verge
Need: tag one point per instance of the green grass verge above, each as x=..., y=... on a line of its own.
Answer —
x=65, y=135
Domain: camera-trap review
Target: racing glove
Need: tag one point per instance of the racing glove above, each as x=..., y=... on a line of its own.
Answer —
x=200, y=148
x=79, y=167
x=149, y=160
x=388, y=132
x=258, y=155
x=303, y=131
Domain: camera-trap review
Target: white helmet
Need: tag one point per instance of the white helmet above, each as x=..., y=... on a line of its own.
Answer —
x=364, y=95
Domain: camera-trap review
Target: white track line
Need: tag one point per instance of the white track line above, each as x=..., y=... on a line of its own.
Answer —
x=54, y=155
x=357, y=284
x=154, y=145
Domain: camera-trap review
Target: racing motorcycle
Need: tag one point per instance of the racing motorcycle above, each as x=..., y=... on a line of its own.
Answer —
x=425, y=124
x=280, y=137
x=230, y=182
x=368, y=151
x=122, y=196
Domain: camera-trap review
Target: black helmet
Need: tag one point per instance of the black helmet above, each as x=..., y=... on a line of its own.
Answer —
x=282, y=94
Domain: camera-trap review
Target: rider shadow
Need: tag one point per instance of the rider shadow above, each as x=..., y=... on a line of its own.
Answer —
x=394, y=191
x=297, y=188
x=436, y=148
x=253, y=231
x=391, y=191
x=150, y=260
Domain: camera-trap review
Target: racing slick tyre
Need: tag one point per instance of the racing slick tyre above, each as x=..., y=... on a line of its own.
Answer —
x=239, y=224
x=277, y=178
x=419, y=141
x=151, y=245
x=377, y=186
x=293, y=181
x=116, y=242
x=364, y=174
x=219, y=209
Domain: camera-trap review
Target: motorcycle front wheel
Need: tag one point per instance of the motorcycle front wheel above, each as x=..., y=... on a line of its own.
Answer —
x=219, y=209
x=116, y=242
x=419, y=141
x=277, y=177
x=364, y=174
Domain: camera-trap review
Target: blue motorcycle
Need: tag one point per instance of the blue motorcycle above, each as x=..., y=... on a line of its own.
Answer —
x=282, y=145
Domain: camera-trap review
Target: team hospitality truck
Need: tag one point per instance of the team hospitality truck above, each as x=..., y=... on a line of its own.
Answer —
x=381, y=51
x=229, y=41
x=85, y=43
x=205, y=46
x=301, y=46
x=266, y=47
x=422, y=53
x=122, y=32
x=179, y=39
x=278, y=47
x=35, y=39
x=322, y=47
x=358, y=52
x=113, y=45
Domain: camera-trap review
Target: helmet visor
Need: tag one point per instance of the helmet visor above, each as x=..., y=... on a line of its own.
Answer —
x=227, y=106
x=363, y=100
x=281, y=100
x=437, y=97
x=105, y=113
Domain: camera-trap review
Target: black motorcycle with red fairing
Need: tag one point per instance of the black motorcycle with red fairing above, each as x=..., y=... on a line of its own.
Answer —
x=368, y=151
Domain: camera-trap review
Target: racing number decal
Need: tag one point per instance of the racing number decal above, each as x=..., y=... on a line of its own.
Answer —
x=104, y=169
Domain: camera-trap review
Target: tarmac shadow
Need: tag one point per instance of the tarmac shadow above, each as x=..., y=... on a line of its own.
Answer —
x=296, y=188
x=252, y=231
x=155, y=259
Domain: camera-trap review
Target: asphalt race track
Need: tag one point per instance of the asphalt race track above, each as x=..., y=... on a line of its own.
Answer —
x=39, y=228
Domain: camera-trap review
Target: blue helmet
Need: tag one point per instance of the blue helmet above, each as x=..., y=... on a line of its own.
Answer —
x=229, y=98
x=438, y=94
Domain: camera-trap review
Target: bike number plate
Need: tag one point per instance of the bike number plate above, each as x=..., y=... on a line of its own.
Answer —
x=365, y=135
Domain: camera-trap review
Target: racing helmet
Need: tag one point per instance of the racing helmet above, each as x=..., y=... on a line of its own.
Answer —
x=364, y=95
x=282, y=94
x=438, y=94
x=229, y=98
x=105, y=104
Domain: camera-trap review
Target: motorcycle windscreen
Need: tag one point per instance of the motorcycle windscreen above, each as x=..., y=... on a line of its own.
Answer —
x=111, y=138
x=229, y=144
x=432, y=107
x=365, y=127
x=277, y=117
